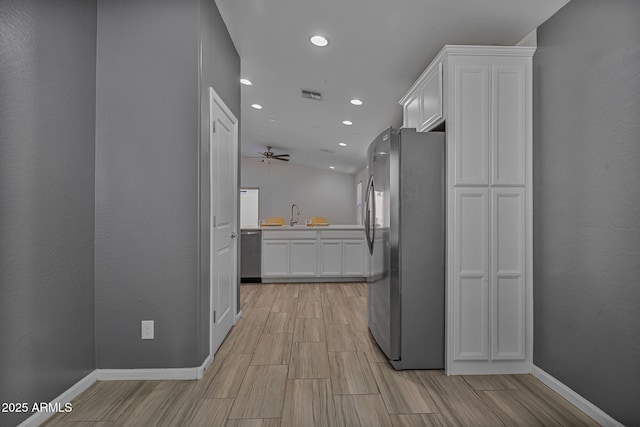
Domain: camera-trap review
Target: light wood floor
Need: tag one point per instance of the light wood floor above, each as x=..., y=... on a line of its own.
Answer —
x=302, y=356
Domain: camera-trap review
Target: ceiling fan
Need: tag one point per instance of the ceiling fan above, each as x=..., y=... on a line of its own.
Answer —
x=269, y=155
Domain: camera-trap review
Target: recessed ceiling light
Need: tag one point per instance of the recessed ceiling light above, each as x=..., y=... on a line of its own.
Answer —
x=257, y=106
x=332, y=167
x=347, y=122
x=319, y=41
x=342, y=144
x=271, y=119
x=356, y=102
x=246, y=82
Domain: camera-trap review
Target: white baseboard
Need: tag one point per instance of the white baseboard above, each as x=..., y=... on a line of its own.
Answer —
x=578, y=401
x=155, y=374
x=147, y=374
x=472, y=367
x=118, y=374
x=66, y=397
x=238, y=317
x=200, y=370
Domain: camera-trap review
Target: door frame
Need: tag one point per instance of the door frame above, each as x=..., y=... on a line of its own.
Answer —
x=215, y=98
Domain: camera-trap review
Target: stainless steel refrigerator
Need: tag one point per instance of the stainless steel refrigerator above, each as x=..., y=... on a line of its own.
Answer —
x=405, y=230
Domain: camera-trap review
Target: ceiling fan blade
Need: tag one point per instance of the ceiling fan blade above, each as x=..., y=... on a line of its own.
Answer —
x=278, y=158
x=281, y=155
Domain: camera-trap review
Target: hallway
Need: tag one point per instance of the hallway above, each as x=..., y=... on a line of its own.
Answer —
x=302, y=356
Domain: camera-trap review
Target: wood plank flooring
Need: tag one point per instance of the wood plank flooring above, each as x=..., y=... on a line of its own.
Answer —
x=301, y=356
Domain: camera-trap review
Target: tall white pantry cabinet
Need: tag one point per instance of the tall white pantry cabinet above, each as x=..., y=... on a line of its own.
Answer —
x=483, y=94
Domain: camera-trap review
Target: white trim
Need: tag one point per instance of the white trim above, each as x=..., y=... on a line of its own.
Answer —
x=154, y=374
x=530, y=39
x=66, y=397
x=578, y=401
x=467, y=50
x=482, y=367
x=215, y=98
x=238, y=317
x=147, y=374
x=114, y=375
x=200, y=370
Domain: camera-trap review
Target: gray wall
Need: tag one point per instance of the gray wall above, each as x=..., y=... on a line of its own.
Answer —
x=152, y=176
x=317, y=192
x=587, y=202
x=47, y=125
x=147, y=182
x=220, y=70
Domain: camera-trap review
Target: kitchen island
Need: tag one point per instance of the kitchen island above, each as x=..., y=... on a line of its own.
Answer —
x=333, y=253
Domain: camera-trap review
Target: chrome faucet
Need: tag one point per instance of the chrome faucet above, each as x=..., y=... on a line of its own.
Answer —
x=297, y=214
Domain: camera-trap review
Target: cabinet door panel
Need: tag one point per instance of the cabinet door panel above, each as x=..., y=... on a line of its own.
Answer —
x=331, y=257
x=275, y=258
x=471, y=230
x=508, y=284
x=471, y=124
x=508, y=340
x=431, y=99
x=508, y=124
x=471, y=294
x=304, y=261
x=353, y=253
x=472, y=324
x=411, y=116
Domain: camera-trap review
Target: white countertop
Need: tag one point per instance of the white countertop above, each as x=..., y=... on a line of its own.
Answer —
x=304, y=227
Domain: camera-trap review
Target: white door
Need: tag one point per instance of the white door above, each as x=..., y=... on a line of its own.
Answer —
x=223, y=137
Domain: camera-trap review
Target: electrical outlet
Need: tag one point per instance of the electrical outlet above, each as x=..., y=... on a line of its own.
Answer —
x=147, y=329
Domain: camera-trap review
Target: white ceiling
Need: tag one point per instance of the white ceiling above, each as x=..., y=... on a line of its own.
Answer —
x=377, y=49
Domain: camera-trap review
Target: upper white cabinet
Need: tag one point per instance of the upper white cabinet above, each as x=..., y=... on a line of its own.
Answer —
x=486, y=101
x=422, y=107
x=411, y=111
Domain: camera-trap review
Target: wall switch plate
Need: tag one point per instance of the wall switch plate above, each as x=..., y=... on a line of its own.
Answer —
x=147, y=329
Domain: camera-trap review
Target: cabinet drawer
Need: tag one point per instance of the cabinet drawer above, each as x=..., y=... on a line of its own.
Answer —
x=289, y=234
x=342, y=234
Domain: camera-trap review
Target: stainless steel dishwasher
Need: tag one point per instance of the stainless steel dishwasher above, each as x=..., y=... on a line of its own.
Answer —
x=251, y=256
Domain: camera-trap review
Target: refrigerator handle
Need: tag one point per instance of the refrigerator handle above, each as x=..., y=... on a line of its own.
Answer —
x=366, y=212
x=370, y=203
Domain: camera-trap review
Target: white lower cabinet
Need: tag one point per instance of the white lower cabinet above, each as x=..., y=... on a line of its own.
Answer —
x=342, y=257
x=313, y=254
x=330, y=257
x=353, y=256
x=304, y=255
x=275, y=258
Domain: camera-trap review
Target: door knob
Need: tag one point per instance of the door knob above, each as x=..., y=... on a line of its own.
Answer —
x=233, y=235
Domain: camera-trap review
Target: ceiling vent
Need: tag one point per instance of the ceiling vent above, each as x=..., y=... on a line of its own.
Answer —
x=312, y=94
